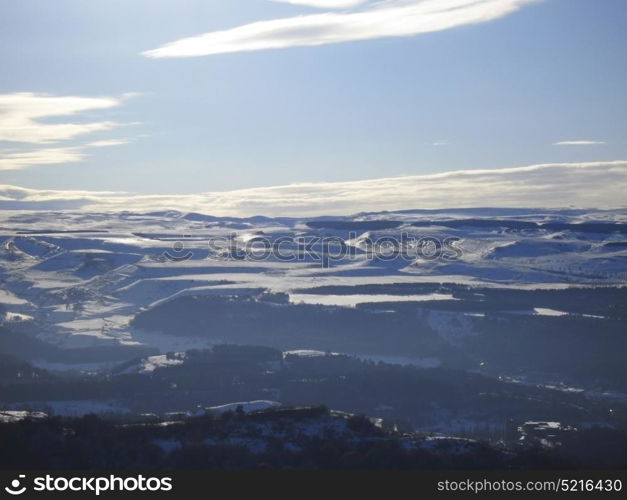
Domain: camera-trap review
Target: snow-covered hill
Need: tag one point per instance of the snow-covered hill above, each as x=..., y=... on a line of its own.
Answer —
x=83, y=277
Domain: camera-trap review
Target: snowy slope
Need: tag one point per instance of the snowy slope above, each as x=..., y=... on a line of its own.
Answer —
x=82, y=277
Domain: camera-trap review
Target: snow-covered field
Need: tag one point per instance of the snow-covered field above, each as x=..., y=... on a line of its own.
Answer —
x=81, y=278
x=74, y=408
x=246, y=406
x=353, y=300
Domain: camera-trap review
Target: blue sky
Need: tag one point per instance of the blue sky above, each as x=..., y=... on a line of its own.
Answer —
x=493, y=94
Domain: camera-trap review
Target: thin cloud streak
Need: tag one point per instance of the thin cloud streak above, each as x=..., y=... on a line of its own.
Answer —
x=391, y=18
x=20, y=114
x=585, y=185
x=50, y=156
x=324, y=4
x=53, y=156
x=579, y=143
x=107, y=143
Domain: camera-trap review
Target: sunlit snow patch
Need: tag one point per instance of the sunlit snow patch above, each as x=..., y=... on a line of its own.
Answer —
x=353, y=300
x=247, y=406
x=151, y=363
x=543, y=311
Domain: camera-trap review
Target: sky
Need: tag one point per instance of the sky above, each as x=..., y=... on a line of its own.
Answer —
x=138, y=103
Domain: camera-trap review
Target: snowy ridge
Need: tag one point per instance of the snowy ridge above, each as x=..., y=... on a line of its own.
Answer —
x=82, y=277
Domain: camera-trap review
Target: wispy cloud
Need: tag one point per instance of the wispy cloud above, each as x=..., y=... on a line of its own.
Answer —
x=324, y=4
x=107, y=143
x=21, y=114
x=388, y=18
x=579, y=143
x=50, y=156
x=24, y=121
x=600, y=185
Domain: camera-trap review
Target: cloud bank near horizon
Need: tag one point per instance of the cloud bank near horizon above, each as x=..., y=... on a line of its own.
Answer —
x=389, y=18
x=579, y=143
x=558, y=185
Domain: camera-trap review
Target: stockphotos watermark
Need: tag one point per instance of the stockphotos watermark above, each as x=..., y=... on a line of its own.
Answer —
x=94, y=485
x=324, y=250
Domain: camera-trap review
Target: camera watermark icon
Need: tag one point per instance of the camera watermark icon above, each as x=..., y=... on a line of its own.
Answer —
x=323, y=250
x=90, y=484
x=16, y=488
x=178, y=251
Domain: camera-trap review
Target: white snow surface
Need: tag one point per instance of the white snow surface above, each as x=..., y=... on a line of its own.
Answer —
x=81, y=277
x=247, y=406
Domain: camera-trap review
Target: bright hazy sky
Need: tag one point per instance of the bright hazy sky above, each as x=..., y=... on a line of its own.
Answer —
x=204, y=96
